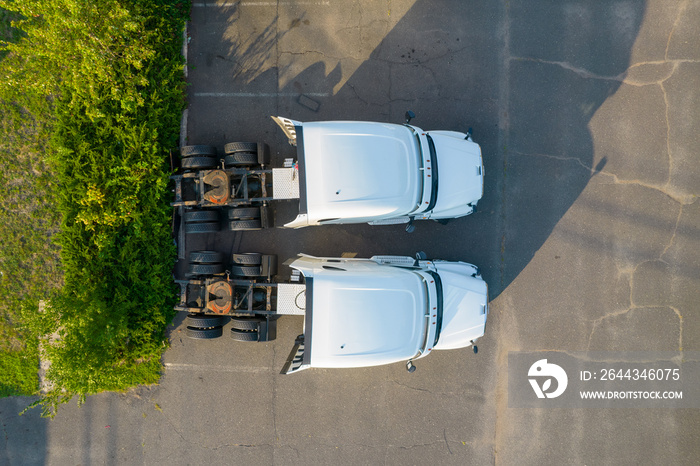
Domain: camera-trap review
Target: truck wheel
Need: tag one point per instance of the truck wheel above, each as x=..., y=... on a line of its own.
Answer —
x=206, y=257
x=233, y=147
x=197, y=162
x=204, y=333
x=240, y=213
x=246, y=270
x=248, y=258
x=206, y=269
x=240, y=159
x=244, y=335
x=205, y=227
x=245, y=323
x=254, y=224
x=193, y=216
x=204, y=321
x=206, y=151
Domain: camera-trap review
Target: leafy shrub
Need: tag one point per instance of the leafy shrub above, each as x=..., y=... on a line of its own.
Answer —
x=107, y=75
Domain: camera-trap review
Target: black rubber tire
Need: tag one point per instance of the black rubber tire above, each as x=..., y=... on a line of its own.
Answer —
x=240, y=159
x=246, y=270
x=204, y=321
x=197, y=162
x=204, y=333
x=245, y=323
x=205, y=227
x=253, y=224
x=233, y=147
x=244, y=335
x=205, y=269
x=241, y=213
x=248, y=258
x=193, y=216
x=206, y=151
x=206, y=257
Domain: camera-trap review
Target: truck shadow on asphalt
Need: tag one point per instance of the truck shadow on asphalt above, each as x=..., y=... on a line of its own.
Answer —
x=527, y=80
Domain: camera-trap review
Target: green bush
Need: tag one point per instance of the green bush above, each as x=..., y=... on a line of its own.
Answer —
x=107, y=77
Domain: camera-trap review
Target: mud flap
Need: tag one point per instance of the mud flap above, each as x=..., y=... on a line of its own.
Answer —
x=268, y=265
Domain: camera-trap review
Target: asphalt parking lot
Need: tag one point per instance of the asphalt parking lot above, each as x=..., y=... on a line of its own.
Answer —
x=588, y=234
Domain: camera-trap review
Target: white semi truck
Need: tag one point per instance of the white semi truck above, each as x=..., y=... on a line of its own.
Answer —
x=345, y=172
x=382, y=173
x=357, y=312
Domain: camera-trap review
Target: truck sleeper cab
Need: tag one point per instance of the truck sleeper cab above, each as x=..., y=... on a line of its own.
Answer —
x=382, y=173
x=357, y=312
x=369, y=312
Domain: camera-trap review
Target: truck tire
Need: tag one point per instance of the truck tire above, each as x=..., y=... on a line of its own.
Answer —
x=242, y=225
x=245, y=323
x=248, y=258
x=233, y=147
x=241, y=213
x=197, y=162
x=194, y=216
x=206, y=257
x=206, y=151
x=204, y=227
x=205, y=269
x=244, y=335
x=204, y=321
x=246, y=270
x=240, y=159
x=204, y=333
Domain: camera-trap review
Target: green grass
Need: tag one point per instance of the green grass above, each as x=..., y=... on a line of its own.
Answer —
x=93, y=103
x=29, y=268
x=19, y=371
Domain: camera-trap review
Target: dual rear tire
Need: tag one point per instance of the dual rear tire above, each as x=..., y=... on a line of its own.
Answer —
x=205, y=327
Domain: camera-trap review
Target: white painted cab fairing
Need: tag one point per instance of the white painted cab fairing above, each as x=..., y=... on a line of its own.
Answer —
x=380, y=173
x=357, y=172
x=368, y=312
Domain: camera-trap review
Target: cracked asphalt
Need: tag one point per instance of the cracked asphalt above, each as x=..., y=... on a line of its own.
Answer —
x=588, y=234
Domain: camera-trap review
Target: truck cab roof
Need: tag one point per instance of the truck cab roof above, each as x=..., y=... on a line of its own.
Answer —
x=359, y=171
x=360, y=313
x=379, y=173
x=386, y=309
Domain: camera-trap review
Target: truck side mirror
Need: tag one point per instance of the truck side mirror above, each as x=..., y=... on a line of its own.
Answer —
x=410, y=227
x=409, y=116
x=410, y=367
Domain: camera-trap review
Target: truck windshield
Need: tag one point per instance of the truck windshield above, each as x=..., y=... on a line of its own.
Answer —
x=433, y=173
x=421, y=164
x=438, y=289
x=434, y=170
x=301, y=159
x=438, y=311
